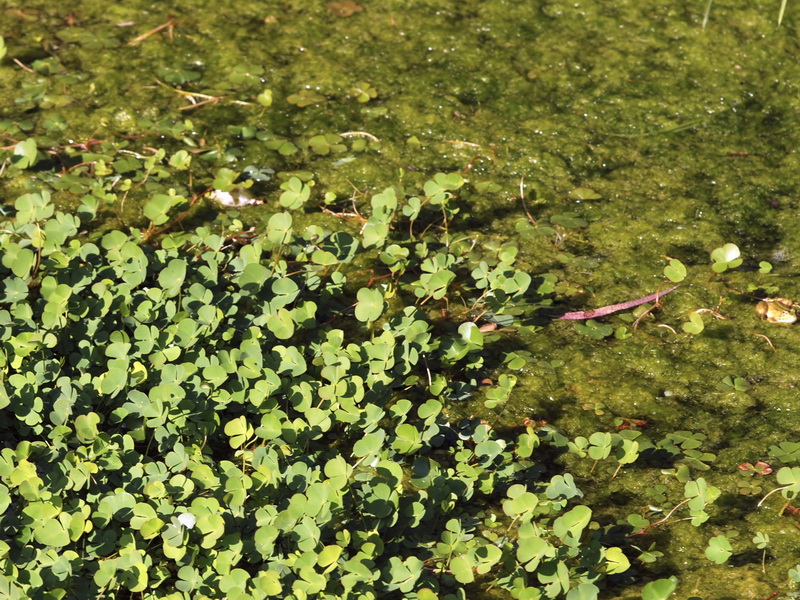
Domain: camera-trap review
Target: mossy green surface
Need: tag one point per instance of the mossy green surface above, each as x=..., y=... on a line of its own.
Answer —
x=666, y=138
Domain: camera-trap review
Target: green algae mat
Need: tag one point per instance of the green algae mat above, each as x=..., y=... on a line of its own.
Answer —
x=281, y=286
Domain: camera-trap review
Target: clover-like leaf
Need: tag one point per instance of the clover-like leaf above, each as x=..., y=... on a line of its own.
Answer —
x=279, y=228
x=281, y=325
x=326, y=143
x=725, y=257
x=363, y=92
x=265, y=98
x=296, y=194
x=171, y=278
x=305, y=97
x=86, y=427
x=25, y=153
x=370, y=305
x=733, y=384
x=695, y=325
x=239, y=430
x=268, y=582
x=134, y=577
x=675, y=271
x=594, y=329
x=569, y=526
x=158, y=208
x=660, y=589
x=51, y=532
x=20, y=260
x=329, y=555
x=408, y=439
x=616, y=561
x=719, y=549
x=181, y=160
x=34, y=207
x=462, y=568
x=789, y=477
x=367, y=445
x=761, y=540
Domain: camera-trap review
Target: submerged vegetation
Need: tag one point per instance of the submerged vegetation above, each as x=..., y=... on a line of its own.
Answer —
x=291, y=330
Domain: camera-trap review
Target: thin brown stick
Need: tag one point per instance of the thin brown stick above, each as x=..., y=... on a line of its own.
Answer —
x=207, y=99
x=463, y=143
x=194, y=105
x=525, y=206
x=23, y=67
x=169, y=24
x=660, y=521
x=360, y=133
x=761, y=335
x=713, y=312
x=344, y=215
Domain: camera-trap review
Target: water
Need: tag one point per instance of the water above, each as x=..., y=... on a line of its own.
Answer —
x=667, y=138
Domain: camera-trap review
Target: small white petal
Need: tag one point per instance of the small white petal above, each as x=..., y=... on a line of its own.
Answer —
x=187, y=520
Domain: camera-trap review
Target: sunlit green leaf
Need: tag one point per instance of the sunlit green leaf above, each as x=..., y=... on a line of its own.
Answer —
x=25, y=152
x=660, y=589
x=370, y=304
x=719, y=549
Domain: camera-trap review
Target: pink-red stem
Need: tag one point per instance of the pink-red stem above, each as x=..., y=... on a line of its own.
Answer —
x=612, y=308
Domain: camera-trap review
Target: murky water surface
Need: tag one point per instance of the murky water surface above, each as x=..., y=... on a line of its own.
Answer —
x=668, y=139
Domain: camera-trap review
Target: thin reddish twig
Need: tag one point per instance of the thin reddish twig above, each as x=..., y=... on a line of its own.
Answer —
x=612, y=308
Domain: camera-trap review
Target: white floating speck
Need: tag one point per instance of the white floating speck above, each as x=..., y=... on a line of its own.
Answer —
x=187, y=520
x=236, y=197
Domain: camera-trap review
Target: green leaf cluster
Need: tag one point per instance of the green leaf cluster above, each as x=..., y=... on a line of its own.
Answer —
x=201, y=418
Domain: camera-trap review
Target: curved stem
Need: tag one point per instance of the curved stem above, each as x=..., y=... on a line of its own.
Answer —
x=772, y=492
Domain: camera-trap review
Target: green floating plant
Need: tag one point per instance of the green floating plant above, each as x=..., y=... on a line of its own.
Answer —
x=725, y=257
x=786, y=452
x=761, y=540
x=363, y=92
x=305, y=97
x=241, y=407
x=594, y=329
x=719, y=549
x=695, y=325
x=660, y=589
x=675, y=271
x=733, y=384
x=26, y=153
x=264, y=98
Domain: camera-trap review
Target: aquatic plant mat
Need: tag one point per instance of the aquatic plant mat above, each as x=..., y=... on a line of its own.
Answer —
x=399, y=300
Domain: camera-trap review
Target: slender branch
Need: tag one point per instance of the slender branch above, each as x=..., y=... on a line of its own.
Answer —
x=659, y=522
x=612, y=308
x=772, y=492
x=168, y=25
x=359, y=133
x=525, y=206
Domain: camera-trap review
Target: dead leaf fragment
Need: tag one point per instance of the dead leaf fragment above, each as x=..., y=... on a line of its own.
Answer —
x=345, y=8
